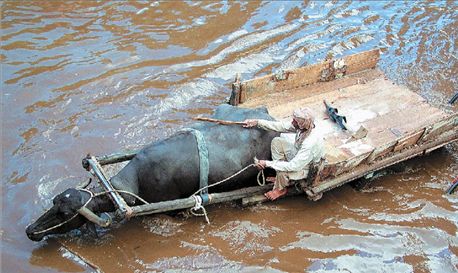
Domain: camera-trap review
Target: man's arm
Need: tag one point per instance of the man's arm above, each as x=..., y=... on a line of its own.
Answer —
x=277, y=126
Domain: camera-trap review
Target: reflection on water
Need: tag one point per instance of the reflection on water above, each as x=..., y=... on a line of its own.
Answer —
x=94, y=76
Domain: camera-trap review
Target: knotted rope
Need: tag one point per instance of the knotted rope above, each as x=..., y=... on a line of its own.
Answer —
x=199, y=206
x=198, y=199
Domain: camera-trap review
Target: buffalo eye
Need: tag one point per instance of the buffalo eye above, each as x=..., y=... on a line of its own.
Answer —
x=64, y=215
x=66, y=212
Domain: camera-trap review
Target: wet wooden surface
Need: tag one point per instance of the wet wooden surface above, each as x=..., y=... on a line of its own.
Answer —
x=388, y=111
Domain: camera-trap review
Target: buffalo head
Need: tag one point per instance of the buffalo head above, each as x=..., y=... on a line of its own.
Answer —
x=70, y=210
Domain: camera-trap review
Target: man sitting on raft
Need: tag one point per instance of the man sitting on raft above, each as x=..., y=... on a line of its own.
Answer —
x=290, y=160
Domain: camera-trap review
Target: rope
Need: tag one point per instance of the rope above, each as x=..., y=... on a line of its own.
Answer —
x=121, y=191
x=234, y=175
x=92, y=195
x=71, y=218
x=263, y=182
x=198, y=206
x=198, y=199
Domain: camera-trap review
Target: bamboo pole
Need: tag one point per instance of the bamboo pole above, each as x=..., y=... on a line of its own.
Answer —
x=219, y=121
x=128, y=155
x=190, y=202
x=116, y=157
x=85, y=261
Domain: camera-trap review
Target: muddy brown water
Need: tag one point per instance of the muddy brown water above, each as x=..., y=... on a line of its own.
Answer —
x=100, y=77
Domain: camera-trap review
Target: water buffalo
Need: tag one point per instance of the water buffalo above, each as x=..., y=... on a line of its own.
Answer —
x=167, y=170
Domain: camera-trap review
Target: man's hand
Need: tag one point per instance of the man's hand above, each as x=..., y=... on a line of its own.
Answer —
x=260, y=164
x=250, y=123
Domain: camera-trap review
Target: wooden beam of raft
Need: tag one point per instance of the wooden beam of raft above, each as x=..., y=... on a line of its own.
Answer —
x=190, y=202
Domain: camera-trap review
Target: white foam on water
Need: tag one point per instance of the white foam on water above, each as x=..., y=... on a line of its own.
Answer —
x=427, y=210
x=358, y=264
x=380, y=243
x=204, y=262
x=162, y=225
x=186, y=93
x=248, y=64
x=46, y=189
x=68, y=255
x=247, y=237
x=142, y=11
x=236, y=34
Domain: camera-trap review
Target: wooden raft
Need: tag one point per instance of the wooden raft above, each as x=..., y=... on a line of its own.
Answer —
x=400, y=123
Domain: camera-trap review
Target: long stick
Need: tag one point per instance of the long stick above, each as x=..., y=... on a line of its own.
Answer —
x=190, y=201
x=219, y=121
x=453, y=99
x=84, y=260
x=125, y=156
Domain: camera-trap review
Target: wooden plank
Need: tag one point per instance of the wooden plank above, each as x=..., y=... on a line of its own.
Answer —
x=353, y=162
x=295, y=78
x=396, y=123
x=387, y=111
x=365, y=60
x=219, y=121
x=234, y=100
x=280, y=103
x=112, y=158
x=330, y=170
x=439, y=127
x=381, y=151
x=403, y=155
x=409, y=140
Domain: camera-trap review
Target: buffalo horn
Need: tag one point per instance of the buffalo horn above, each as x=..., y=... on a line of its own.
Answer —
x=94, y=218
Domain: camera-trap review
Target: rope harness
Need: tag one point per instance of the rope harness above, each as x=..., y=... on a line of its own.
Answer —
x=204, y=165
x=200, y=200
x=204, y=169
x=68, y=220
x=92, y=196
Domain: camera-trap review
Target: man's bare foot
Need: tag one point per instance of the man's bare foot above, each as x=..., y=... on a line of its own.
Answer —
x=274, y=194
x=271, y=179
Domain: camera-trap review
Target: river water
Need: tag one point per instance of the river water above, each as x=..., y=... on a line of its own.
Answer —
x=100, y=77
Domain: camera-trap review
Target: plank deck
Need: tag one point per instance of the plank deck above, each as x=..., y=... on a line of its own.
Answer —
x=386, y=110
x=396, y=118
